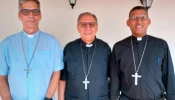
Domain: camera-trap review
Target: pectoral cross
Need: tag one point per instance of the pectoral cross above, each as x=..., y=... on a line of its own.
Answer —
x=27, y=69
x=86, y=82
x=136, y=77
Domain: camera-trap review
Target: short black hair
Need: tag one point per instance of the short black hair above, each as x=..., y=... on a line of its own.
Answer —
x=138, y=8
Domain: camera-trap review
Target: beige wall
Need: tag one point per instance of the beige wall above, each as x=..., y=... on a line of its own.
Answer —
x=60, y=20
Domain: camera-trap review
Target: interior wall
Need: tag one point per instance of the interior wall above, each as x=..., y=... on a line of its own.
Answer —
x=60, y=20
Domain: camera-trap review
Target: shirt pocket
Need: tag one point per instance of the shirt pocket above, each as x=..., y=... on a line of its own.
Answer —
x=44, y=58
x=71, y=70
x=157, y=59
x=101, y=65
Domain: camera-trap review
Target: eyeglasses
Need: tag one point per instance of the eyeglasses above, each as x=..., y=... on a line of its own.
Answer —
x=84, y=24
x=143, y=17
x=26, y=12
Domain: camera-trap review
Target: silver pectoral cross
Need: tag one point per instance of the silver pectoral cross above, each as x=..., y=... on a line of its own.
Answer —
x=27, y=69
x=86, y=82
x=136, y=77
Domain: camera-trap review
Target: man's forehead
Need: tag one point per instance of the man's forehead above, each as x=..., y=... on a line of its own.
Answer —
x=87, y=17
x=29, y=5
x=139, y=15
x=87, y=21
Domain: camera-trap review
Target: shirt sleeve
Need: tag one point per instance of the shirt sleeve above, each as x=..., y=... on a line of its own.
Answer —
x=58, y=56
x=63, y=74
x=168, y=74
x=64, y=71
x=4, y=57
x=114, y=75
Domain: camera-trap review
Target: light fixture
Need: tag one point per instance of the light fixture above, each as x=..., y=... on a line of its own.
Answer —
x=72, y=3
x=146, y=3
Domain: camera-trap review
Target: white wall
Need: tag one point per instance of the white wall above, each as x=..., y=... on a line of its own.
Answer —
x=60, y=20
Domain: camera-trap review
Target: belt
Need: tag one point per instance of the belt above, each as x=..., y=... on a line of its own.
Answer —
x=161, y=99
x=128, y=98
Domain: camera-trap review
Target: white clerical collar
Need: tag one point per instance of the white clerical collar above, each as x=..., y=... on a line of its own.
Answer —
x=30, y=35
x=139, y=38
x=89, y=45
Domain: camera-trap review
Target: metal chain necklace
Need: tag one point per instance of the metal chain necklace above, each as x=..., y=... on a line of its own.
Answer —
x=86, y=74
x=28, y=64
x=136, y=76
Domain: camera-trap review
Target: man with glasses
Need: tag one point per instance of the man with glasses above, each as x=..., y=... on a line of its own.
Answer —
x=85, y=76
x=31, y=60
x=141, y=67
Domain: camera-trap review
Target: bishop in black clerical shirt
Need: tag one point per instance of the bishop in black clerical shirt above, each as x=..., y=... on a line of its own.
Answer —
x=85, y=76
x=141, y=67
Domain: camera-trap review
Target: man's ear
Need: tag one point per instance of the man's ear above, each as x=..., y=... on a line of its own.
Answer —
x=128, y=23
x=19, y=14
x=149, y=21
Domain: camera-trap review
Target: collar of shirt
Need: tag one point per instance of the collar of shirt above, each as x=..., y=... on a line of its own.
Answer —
x=139, y=39
x=84, y=44
x=31, y=36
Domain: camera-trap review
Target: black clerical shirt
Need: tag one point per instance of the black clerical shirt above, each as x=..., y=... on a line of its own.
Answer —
x=74, y=75
x=156, y=70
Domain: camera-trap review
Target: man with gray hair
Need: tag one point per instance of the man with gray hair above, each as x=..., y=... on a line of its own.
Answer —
x=31, y=60
x=86, y=64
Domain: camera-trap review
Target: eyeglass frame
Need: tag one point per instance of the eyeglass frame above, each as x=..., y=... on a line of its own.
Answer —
x=39, y=12
x=136, y=17
x=87, y=24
